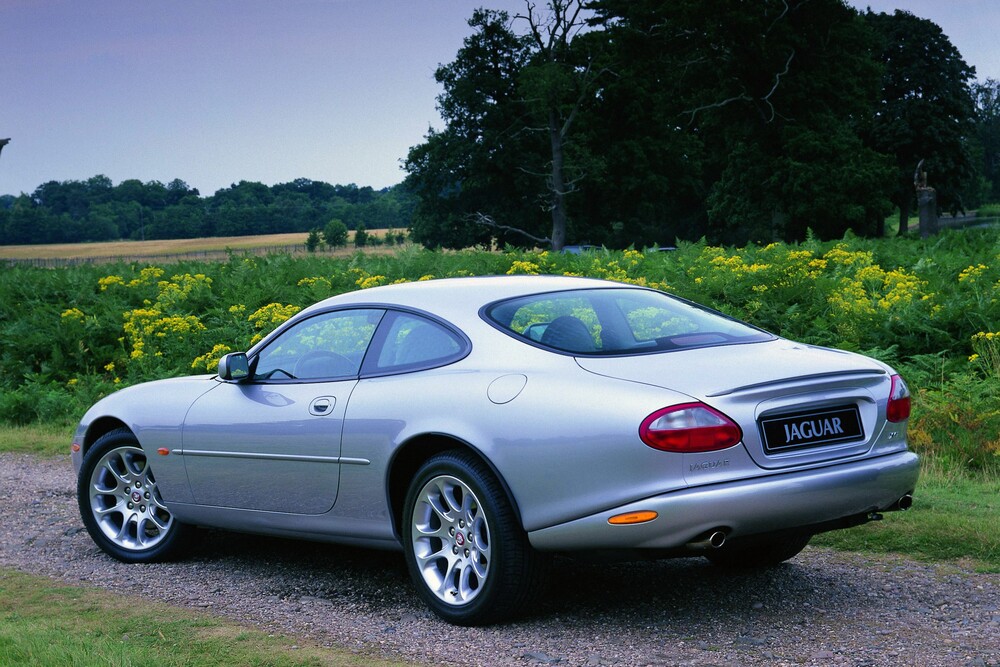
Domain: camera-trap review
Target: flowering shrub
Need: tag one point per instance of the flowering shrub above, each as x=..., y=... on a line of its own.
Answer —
x=927, y=307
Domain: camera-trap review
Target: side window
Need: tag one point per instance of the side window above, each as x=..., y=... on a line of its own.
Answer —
x=413, y=342
x=329, y=345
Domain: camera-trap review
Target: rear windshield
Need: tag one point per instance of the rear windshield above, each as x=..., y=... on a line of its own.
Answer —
x=617, y=322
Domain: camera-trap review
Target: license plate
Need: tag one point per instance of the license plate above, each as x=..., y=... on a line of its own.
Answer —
x=811, y=429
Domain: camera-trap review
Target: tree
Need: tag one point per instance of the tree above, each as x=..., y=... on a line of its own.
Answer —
x=987, y=99
x=557, y=83
x=313, y=240
x=360, y=237
x=753, y=110
x=335, y=233
x=926, y=109
x=482, y=161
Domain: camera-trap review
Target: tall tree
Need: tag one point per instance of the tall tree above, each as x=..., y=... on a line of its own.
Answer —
x=762, y=101
x=557, y=84
x=987, y=99
x=926, y=109
x=477, y=163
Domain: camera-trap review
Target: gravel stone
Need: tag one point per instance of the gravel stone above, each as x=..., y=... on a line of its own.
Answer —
x=822, y=608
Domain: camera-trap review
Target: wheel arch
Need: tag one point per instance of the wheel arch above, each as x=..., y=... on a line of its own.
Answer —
x=98, y=428
x=416, y=451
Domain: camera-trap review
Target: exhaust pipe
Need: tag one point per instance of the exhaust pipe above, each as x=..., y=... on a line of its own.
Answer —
x=711, y=540
x=904, y=503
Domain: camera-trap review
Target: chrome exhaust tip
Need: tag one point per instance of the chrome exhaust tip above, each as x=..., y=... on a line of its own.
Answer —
x=904, y=503
x=712, y=540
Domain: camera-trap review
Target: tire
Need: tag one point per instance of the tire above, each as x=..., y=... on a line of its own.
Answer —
x=759, y=554
x=467, y=554
x=121, y=506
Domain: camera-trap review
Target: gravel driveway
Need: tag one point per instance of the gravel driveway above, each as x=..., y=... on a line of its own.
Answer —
x=823, y=608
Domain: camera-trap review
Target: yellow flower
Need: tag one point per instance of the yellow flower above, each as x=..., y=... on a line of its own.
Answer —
x=147, y=276
x=523, y=267
x=210, y=360
x=311, y=282
x=971, y=273
x=370, y=281
x=272, y=314
x=73, y=314
x=108, y=281
x=110, y=367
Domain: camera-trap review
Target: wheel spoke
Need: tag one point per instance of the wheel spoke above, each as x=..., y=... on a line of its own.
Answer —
x=159, y=522
x=101, y=511
x=124, y=531
x=122, y=478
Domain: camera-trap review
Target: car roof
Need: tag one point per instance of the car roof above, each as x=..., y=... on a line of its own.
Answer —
x=459, y=296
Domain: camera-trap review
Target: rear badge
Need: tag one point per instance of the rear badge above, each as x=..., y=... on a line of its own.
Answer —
x=811, y=429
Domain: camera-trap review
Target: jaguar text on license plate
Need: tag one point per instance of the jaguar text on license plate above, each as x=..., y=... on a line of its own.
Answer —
x=811, y=429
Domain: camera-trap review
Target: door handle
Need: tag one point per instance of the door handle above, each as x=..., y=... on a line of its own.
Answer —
x=322, y=406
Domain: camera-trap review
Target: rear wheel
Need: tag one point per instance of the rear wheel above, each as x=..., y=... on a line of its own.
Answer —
x=467, y=554
x=120, y=504
x=759, y=554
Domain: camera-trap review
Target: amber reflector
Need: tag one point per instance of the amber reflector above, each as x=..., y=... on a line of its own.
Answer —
x=75, y=447
x=632, y=517
x=162, y=451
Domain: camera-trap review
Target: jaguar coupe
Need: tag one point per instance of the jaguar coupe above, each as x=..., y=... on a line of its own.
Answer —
x=484, y=425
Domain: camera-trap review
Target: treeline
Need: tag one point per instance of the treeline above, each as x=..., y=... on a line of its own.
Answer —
x=98, y=210
x=639, y=121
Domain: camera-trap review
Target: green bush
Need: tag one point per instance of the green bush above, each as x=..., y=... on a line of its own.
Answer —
x=928, y=307
x=988, y=211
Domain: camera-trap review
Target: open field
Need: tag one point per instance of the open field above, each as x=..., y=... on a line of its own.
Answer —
x=147, y=248
x=208, y=248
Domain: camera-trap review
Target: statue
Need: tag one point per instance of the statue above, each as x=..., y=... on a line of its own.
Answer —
x=4, y=142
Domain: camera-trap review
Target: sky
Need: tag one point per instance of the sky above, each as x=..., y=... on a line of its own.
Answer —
x=218, y=91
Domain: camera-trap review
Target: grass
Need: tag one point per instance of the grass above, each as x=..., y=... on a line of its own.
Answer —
x=39, y=439
x=46, y=623
x=955, y=517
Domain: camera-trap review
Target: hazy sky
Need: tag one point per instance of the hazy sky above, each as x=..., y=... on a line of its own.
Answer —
x=218, y=91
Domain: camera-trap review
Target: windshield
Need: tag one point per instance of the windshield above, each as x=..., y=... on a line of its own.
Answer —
x=618, y=321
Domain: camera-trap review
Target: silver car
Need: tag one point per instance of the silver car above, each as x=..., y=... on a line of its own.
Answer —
x=483, y=424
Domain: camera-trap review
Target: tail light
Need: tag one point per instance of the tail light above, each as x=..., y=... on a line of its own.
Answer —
x=689, y=427
x=898, y=407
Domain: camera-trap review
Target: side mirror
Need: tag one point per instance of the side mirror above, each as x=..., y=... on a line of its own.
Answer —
x=234, y=367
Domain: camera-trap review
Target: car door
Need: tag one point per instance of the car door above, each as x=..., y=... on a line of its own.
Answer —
x=273, y=443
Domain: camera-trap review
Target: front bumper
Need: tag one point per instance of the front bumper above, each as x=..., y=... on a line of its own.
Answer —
x=745, y=508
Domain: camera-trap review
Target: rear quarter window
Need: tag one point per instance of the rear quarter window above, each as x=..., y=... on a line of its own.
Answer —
x=617, y=321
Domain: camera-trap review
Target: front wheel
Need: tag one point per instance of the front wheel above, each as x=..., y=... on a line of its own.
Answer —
x=466, y=552
x=120, y=504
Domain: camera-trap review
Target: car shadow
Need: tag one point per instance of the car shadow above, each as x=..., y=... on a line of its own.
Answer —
x=658, y=591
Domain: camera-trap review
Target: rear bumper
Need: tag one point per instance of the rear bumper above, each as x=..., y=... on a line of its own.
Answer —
x=744, y=508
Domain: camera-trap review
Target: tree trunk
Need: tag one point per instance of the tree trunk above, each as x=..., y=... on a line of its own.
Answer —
x=558, y=185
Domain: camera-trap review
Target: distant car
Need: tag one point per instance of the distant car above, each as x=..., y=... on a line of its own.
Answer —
x=579, y=249
x=481, y=424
